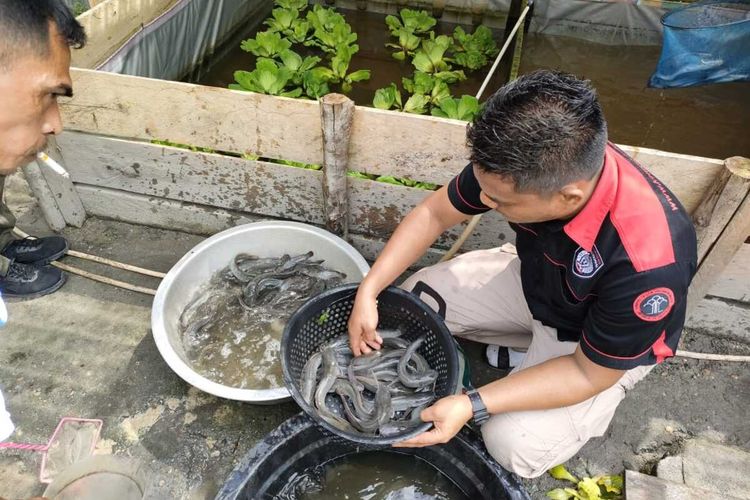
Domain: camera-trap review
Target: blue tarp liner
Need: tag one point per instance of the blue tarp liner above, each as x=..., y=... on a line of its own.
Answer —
x=706, y=42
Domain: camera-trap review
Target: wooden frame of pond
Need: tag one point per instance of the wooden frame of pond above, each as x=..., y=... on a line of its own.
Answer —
x=116, y=171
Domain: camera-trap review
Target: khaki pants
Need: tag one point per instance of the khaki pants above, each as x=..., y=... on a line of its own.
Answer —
x=486, y=303
x=7, y=223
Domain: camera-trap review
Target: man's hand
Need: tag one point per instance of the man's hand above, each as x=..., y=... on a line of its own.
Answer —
x=448, y=415
x=362, y=323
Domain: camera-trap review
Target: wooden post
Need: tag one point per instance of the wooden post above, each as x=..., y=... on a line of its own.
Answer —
x=67, y=199
x=44, y=196
x=722, y=224
x=336, y=113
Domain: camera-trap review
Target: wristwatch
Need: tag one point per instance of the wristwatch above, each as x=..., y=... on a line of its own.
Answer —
x=478, y=407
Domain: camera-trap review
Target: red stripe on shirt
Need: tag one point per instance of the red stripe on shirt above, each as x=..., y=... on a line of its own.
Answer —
x=458, y=192
x=640, y=221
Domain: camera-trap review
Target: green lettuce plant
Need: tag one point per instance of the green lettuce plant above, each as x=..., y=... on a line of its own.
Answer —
x=465, y=108
x=387, y=98
x=411, y=21
x=297, y=65
x=473, y=51
x=288, y=23
x=266, y=78
x=292, y=4
x=266, y=44
x=424, y=83
x=407, y=28
x=315, y=82
x=430, y=58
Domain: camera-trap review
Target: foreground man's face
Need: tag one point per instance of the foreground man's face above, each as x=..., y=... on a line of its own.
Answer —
x=28, y=103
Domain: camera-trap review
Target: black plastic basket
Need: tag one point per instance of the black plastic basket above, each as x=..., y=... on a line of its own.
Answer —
x=298, y=445
x=325, y=316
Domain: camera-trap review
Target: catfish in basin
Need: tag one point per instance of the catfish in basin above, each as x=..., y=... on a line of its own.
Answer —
x=231, y=328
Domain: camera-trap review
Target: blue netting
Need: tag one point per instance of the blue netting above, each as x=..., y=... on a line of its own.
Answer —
x=706, y=42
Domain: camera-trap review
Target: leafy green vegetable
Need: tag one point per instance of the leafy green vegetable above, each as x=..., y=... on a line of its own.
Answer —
x=323, y=318
x=473, y=51
x=266, y=78
x=430, y=58
x=298, y=66
x=292, y=4
x=331, y=31
x=413, y=21
x=450, y=76
x=589, y=488
x=407, y=44
x=282, y=19
x=596, y=488
x=424, y=83
x=558, y=494
x=465, y=108
x=387, y=97
x=560, y=472
x=340, y=66
x=358, y=175
x=417, y=104
x=315, y=82
x=266, y=44
x=611, y=484
x=297, y=164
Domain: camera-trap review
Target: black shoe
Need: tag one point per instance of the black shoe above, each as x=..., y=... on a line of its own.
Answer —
x=26, y=281
x=37, y=251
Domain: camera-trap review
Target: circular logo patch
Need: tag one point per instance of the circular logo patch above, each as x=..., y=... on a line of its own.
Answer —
x=654, y=304
x=586, y=264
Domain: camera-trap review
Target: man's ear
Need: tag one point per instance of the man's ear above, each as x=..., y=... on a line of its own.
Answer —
x=572, y=194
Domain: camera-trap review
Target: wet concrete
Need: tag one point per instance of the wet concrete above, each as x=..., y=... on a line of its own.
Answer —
x=87, y=351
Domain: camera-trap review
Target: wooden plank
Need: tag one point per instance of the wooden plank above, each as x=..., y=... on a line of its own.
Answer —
x=197, y=219
x=424, y=148
x=734, y=283
x=44, y=196
x=725, y=247
x=221, y=119
x=688, y=177
x=720, y=203
x=255, y=187
x=66, y=197
x=644, y=487
x=383, y=142
x=208, y=179
x=111, y=23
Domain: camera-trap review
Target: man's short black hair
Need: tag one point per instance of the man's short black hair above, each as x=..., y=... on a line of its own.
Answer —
x=542, y=131
x=24, y=28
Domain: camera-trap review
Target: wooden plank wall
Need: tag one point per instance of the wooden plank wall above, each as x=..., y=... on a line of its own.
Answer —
x=134, y=110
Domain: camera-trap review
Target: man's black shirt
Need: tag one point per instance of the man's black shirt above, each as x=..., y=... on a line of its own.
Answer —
x=615, y=277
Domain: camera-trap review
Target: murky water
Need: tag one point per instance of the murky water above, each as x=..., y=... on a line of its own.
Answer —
x=710, y=120
x=239, y=348
x=371, y=476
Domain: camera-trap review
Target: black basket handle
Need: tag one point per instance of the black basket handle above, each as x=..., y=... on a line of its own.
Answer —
x=421, y=287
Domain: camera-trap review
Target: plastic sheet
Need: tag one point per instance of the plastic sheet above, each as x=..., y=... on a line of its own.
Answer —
x=182, y=37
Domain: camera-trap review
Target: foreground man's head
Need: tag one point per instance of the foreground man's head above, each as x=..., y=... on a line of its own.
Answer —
x=35, y=41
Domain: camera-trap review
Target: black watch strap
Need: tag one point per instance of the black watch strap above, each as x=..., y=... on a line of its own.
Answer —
x=477, y=405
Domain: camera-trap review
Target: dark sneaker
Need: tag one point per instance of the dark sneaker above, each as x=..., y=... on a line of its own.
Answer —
x=38, y=251
x=26, y=281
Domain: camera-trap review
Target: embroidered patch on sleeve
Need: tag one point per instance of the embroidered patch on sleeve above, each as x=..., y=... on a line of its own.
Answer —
x=586, y=264
x=654, y=304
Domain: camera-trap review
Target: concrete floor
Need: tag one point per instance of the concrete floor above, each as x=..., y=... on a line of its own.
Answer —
x=87, y=351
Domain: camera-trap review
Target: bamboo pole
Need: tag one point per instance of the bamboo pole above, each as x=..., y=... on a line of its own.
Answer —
x=336, y=113
x=104, y=279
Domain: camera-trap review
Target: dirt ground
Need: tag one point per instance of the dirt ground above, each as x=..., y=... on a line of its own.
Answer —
x=87, y=351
